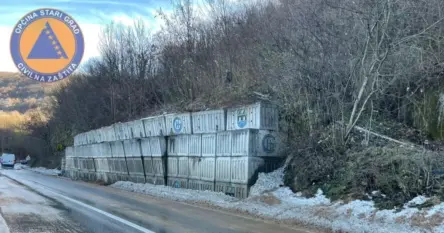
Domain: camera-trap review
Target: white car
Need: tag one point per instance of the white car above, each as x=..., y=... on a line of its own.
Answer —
x=7, y=160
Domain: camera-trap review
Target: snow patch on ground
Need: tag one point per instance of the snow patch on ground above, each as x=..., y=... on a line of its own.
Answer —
x=269, y=199
x=267, y=182
x=287, y=196
x=417, y=201
x=173, y=193
x=45, y=171
x=19, y=166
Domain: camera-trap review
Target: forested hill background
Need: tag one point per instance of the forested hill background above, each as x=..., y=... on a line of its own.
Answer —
x=22, y=101
x=330, y=65
x=18, y=93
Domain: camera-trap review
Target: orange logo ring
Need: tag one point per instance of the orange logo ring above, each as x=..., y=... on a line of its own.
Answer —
x=47, y=45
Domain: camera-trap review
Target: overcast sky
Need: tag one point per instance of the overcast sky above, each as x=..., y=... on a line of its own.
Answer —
x=90, y=14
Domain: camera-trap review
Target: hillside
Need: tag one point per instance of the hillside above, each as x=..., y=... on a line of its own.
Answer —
x=21, y=100
x=18, y=93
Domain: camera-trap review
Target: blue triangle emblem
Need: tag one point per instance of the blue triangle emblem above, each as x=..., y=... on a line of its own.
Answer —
x=47, y=46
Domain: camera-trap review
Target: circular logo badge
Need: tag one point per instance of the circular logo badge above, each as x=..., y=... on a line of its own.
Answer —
x=47, y=45
x=269, y=143
x=241, y=118
x=177, y=124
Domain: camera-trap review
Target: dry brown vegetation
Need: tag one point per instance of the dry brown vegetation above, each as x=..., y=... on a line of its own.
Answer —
x=373, y=63
x=11, y=120
x=18, y=93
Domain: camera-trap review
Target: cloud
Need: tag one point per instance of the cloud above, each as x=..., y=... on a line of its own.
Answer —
x=91, y=35
x=89, y=11
x=123, y=19
x=105, y=2
x=6, y=63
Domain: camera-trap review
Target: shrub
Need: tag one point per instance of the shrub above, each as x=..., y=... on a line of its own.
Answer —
x=398, y=173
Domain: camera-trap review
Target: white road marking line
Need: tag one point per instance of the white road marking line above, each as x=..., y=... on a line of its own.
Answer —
x=121, y=220
x=4, y=228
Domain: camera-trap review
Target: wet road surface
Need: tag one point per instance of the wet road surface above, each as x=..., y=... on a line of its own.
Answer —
x=93, y=208
x=23, y=210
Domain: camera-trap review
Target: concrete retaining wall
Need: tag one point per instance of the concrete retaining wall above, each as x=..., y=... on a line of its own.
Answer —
x=220, y=150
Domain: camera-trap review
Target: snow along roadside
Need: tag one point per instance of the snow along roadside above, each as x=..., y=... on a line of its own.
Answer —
x=41, y=170
x=269, y=200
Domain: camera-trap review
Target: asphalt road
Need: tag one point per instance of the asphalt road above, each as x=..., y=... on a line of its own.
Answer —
x=86, y=207
x=23, y=210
